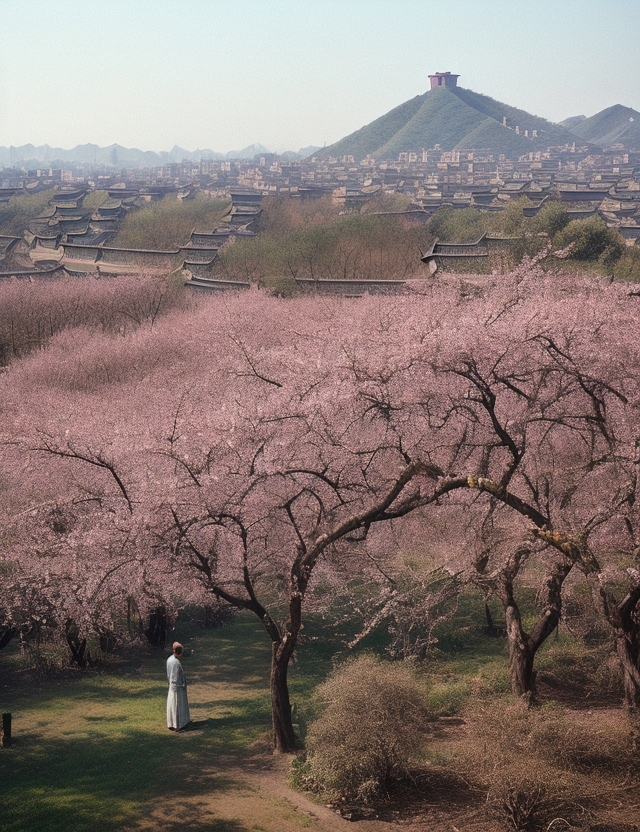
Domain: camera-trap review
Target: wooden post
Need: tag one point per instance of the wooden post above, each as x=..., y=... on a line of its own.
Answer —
x=6, y=730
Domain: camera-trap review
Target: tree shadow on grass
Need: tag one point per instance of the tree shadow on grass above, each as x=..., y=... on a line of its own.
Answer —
x=106, y=783
x=92, y=750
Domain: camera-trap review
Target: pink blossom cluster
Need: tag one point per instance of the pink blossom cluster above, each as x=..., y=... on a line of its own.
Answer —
x=261, y=451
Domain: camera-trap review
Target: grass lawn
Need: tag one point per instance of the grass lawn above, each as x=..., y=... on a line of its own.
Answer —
x=92, y=751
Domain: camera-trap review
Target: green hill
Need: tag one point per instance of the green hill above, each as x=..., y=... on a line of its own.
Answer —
x=452, y=118
x=490, y=134
x=615, y=125
x=549, y=134
x=368, y=139
x=572, y=121
x=442, y=119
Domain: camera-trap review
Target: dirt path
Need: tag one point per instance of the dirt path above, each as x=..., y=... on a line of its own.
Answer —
x=269, y=776
x=251, y=795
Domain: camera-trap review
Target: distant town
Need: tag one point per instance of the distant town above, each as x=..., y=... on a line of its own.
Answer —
x=469, y=177
x=595, y=170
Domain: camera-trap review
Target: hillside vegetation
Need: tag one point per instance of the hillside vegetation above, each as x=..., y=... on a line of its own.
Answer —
x=615, y=125
x=548, y=133
x=443, y=119
x=369, y=138
x=451, y=118
x=314, y=240
x=168, y=224
x=15, y=214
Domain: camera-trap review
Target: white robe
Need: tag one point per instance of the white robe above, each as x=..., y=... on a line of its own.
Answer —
x=177, y=705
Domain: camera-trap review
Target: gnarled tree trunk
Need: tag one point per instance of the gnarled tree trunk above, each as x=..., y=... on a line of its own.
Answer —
x=521, y=654
x=523, y=646
x=624, y=618
x=284, y=738
x=628, y=651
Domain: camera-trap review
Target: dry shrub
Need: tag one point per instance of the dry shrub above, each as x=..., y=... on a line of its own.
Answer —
x=586, y=674
x=524, y=803
x=547, y=763
x=371, y=729
x=33, y=313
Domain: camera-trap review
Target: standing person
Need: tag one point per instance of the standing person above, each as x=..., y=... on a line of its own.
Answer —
x=177, y=705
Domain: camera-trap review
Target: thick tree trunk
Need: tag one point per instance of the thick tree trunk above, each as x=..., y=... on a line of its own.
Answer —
x=5, y=734
x=624, y=619
x=80, y=656
x=629, y=656
x=492, y=630
x=156, y=632
x=521, y=655
x=523, y=646
x=283, y=643
x=6, y=636
x=284, y=739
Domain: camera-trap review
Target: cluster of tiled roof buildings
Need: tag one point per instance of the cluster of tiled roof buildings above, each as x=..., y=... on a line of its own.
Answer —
x=429, y=176
x=607, y=183
x=75, y=239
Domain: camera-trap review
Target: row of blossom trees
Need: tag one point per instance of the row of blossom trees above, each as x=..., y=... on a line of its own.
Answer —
x=253, y=450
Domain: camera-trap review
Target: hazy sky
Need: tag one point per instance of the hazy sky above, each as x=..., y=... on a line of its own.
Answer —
x=223, y=74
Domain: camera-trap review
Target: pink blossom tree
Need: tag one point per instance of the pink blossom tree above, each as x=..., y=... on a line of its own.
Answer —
x=237, y=450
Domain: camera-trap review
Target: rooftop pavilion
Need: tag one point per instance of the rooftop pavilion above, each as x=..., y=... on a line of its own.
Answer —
x=444, y=79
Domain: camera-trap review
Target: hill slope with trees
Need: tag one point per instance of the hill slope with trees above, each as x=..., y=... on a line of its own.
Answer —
x=452, y=119
x=615, y=125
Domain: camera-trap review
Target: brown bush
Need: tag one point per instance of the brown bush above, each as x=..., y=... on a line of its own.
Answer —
x=371, y=729
x=538, y=765
x=32, y=313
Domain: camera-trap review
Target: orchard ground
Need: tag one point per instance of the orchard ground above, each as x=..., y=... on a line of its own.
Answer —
x=153, y=462
x=91, y=750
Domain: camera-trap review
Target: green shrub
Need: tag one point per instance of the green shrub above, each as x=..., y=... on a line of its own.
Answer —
x=167, y=224
x=550, y=219
x=511, y=220
x=15, y=214
x=281, y=285
x=447, y=698
x=371, y=728
x=591, y=240
x=628, y=266
x=94, y=199
x=492, y=680
x=353, y=247
x=458, y=225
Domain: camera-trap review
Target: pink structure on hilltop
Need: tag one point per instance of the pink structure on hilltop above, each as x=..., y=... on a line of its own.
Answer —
x=443, y=79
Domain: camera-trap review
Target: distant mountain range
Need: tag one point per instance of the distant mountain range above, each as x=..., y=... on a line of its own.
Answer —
x=455, y=118
x=117, y=156
x=571, y=122
x=449, y=116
